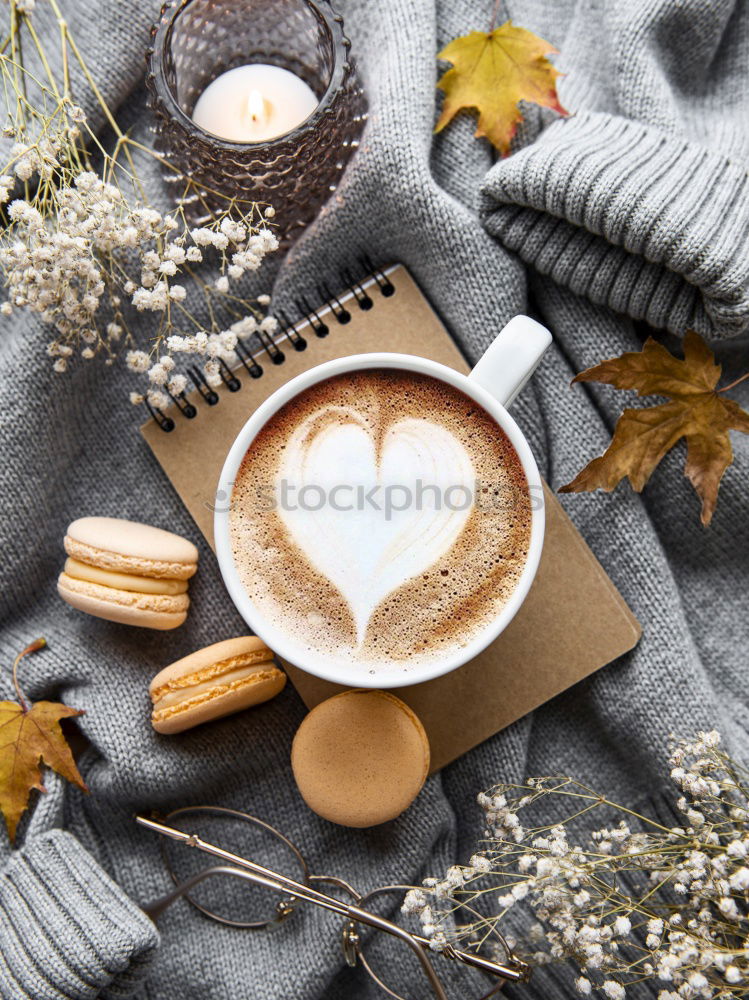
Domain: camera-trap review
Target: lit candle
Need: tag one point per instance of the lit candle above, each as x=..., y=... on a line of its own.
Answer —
x=254, y=103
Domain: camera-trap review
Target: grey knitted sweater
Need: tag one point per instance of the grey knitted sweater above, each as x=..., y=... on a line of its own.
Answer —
x=633, y=211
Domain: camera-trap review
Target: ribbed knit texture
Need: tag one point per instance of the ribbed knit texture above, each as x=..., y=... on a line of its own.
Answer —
x=665, y=77
x=613, y=210
x=59, y=905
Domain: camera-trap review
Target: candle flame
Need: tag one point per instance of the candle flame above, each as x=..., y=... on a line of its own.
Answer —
x=257, y=107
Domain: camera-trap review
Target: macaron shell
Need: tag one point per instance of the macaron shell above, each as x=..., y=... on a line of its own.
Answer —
x=145, y=610
x=132, y=565
x=263, y=685
x=131, y=538
x=224, y=654
x=360, y=758
x=123, y=581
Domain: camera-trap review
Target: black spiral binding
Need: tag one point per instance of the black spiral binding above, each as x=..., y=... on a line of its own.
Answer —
x=289, y=333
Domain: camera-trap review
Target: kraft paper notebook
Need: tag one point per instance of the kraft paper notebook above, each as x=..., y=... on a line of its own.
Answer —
x=573, y=622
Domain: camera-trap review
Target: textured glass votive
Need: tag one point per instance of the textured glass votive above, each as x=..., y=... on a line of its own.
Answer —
x=196, y=41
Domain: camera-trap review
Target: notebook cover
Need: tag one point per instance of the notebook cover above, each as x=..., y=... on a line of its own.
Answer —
x=573, y=622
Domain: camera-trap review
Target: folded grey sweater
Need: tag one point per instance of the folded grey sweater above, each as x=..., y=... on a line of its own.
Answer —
x=635, y=208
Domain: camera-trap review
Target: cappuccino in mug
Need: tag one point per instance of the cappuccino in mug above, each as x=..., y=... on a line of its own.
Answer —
x=381, y=517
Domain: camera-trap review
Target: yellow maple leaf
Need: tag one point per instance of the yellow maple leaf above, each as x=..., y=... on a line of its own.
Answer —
x=28, y=736
x=696, y=411
x=492, y=71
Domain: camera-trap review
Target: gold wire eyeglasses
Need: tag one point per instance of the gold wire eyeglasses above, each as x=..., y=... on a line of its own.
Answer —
x=399, y=961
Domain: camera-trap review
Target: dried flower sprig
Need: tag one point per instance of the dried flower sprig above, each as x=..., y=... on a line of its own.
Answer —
x=83, y=248
x=628, y=902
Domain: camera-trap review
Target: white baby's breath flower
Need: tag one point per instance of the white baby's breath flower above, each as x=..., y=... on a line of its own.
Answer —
x=222, y=283
x=24, y=168
x=177, y=384
x=137, y=361
x=414, y=901
x=142, y=298
x=269, y=240
x=245, y=326
x=613, y=990
x=157, y=398
x=698, y=985
x=175, y=253
x=212, y=373
x=203, y=236
x=728, y=908
x=740, y=879
x=696, y=818
x=199, y=342
x=177, y=343
x=157, y=374
x=7, y=183
x=178, y=293
x=235, y=231
x=136, y=398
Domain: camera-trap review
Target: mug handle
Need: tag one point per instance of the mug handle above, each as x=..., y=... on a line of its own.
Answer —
x=511, y=358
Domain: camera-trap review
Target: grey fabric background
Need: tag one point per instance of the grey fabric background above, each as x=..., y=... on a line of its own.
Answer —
x=633, y=209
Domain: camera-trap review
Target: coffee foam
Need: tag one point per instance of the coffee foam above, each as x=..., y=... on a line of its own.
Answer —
x=350, y=587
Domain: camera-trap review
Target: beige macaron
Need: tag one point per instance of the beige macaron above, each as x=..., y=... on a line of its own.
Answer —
x=360, y=758
x=216, y=681
x=127, y=572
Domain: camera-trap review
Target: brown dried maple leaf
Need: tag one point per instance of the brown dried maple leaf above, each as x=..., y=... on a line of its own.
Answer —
x=492, y=71
x=696, y=411
x=28, y=736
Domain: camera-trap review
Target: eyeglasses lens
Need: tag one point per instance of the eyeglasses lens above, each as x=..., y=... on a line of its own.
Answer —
x=232, y=899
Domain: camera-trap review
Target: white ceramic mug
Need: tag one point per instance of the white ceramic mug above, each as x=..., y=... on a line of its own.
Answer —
x=494, y=383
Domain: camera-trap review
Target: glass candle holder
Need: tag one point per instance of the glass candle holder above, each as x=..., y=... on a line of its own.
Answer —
x=195, y=41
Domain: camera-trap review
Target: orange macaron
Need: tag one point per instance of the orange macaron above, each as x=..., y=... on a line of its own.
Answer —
x=360, y=758
x=127, y=572
x=213, y=682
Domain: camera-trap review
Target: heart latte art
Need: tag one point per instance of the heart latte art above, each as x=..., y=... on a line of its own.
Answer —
x=368, y=553
x=380, y=516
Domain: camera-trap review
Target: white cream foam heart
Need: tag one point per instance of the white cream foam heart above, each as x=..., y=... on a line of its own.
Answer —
x=365, y=554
